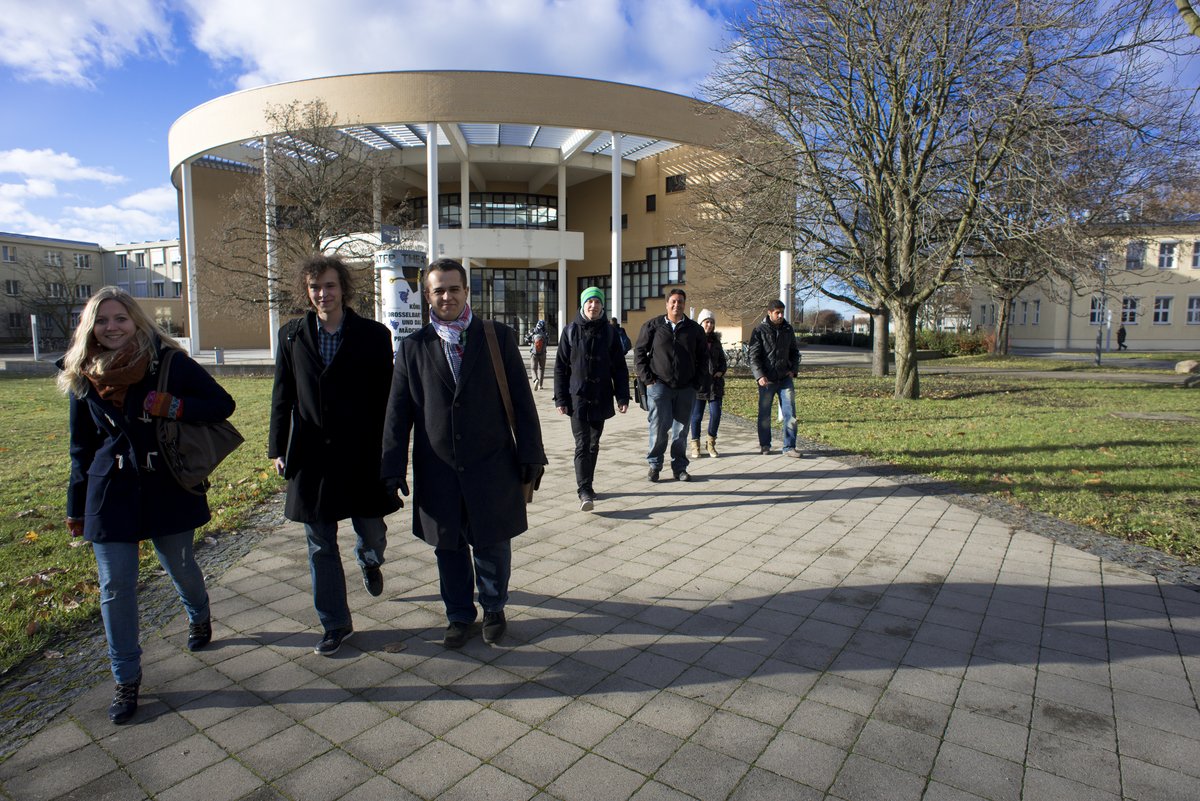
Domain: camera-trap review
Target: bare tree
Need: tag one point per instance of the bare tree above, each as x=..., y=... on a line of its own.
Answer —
x=321, y=180
x=53, y=289
x=895, y=122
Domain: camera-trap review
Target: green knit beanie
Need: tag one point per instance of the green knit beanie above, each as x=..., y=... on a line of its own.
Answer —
x=589, y=293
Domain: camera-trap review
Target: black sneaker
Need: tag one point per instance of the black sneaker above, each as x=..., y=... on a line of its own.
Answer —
x=199, y=634
x=683, y=475
x=585, y=503
x=332, y=641
x=494, y=626
x=764, y=450
x=124, y=702
x=653, y=474
x=373, y=579
x=456, y=634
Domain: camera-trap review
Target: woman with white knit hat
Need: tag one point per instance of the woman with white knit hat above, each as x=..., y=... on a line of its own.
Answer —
x=712, y=388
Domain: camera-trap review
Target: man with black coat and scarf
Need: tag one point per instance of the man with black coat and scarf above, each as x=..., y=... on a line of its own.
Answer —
x=468, y=463
x=589, y=372
x=333, y=371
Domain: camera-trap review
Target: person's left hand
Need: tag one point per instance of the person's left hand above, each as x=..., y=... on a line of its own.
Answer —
x=622, y=407
x=532, y=474
x=163, y=404
x=562, y=409
x=75, y=526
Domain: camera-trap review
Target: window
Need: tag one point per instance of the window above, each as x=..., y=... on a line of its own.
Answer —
x=1037, y=312
x=983, y=314
x=139, y=289
x=1193, y=310
x=16, y=321
x=83, y=261
x=12, y=288
x=1134, y=253
x=157, y=257
x=54, y=258
x=676, y=183
x=140, y=258
x=664, y=266
x=624, y=222
x=56, y=290
x=1162, y=311
x=74, y=320
x=10, y=253
x=122, y=261
x=178, y=288
x=1129, y=311
x=1196, y=255
x=651, y=202
x=1096, y=316
x=83, y=291
x=160, y=289
x=1166, y=255
x=1024, y=312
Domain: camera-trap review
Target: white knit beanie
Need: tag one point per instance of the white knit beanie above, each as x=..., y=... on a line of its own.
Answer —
x=705, y=314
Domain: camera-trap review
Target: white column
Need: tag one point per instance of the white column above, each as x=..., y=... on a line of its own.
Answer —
x=614, y=298
x=431, y=188
x=563, y=289
x=785, y=282
x=464, y=207
x=272, y=249
x=189, y=257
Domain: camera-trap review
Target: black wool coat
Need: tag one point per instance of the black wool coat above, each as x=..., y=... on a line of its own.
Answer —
x=118, y=485
x=466, y=467
x=327, y=422
x=590, y=370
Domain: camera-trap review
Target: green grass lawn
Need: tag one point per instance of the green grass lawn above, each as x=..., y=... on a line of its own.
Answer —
x=1055, y=447
x=48, y=579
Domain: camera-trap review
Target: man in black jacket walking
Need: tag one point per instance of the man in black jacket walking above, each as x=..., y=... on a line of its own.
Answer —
x=333, y=372
x=775, y=360
x=669, y=358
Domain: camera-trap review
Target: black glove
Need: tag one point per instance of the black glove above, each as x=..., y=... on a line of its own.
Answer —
x=396, y=483
x=532, y=474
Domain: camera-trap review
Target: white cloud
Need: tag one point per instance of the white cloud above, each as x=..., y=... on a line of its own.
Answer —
x=667, y=44
x=62, y=41
x=157, y=200
x=52, y=166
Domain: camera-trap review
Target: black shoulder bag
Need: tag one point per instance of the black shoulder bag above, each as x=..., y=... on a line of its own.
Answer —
x=192, y=450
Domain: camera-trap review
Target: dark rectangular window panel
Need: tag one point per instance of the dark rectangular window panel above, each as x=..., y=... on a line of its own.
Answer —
x=676, y=183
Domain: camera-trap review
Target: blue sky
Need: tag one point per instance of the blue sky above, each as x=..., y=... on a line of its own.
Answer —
x=91, y=87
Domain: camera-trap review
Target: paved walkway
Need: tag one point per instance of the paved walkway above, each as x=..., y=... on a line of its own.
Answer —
x=776, y=629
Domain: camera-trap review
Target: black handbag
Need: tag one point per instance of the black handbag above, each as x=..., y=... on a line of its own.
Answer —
x=192, y=450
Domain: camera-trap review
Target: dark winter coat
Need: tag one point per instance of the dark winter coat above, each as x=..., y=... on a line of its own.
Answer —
x=590, y=370
x=118, y=486
x=331, y=458
x=773, y=352
x=466, y=468
x=713, y=387
x=675, y=357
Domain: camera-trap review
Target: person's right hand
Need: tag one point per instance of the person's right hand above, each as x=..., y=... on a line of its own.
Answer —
x=279, y=465
x=395, y=483
x=562, y=409
x=75, y=526
x=762, y=382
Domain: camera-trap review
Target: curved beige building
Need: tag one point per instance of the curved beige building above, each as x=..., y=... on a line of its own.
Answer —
x=533, y=155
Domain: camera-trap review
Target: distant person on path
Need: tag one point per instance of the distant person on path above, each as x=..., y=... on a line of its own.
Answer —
x=468, y=464
x=333, y=371
x=119, y=493
x=712, y=387
x=669, y=359
x=1121, y=339
x=589, y=373
x=626, y=345
x=537, y=340
x=775, y=361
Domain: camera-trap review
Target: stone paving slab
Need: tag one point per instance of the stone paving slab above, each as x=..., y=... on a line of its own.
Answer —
x=777, y=628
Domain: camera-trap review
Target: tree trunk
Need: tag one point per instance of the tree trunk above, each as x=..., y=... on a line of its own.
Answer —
x=879, y=344
x=908, y=383
x=1003, y=308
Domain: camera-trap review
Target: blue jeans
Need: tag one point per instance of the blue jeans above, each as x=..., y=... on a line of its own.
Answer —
x=714, y=417
x=117, y=565
x=463, y=569
x=325, y=565
x=787, y=403
x=670, y=411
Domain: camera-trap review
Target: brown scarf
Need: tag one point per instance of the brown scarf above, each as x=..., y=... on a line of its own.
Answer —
x=112, y=373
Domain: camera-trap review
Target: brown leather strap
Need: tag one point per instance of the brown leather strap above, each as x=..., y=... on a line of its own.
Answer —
x=489, y=333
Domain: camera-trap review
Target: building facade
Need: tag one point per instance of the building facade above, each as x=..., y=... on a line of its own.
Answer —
x=53, y=278
x=541, y=185
x=1149, y=283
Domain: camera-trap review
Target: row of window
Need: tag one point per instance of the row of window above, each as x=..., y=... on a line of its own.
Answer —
x=642, y=280
x=1160, y=312
x=1169, y=255
x=54, y=289
x=54, y=258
